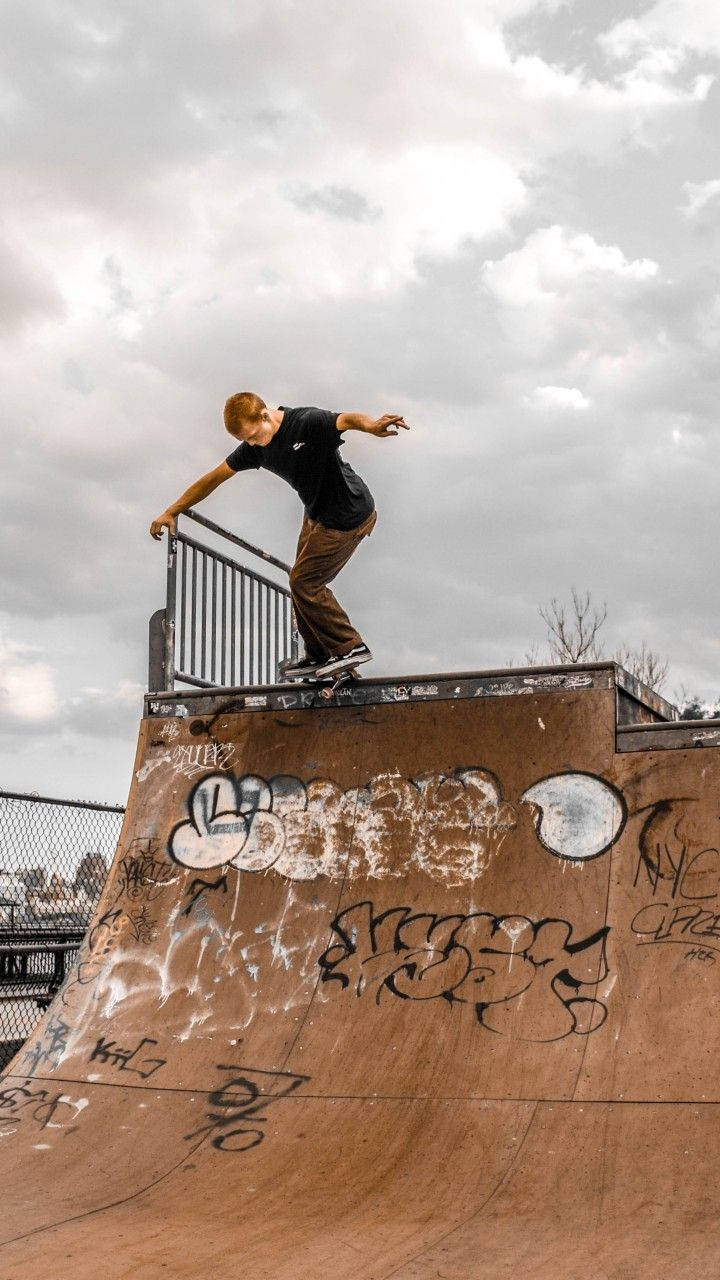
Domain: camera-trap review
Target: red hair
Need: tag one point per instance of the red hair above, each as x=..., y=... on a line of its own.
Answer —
x=244, y=406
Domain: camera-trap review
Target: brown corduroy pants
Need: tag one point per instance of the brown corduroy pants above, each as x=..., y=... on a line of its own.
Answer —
x=321, y=554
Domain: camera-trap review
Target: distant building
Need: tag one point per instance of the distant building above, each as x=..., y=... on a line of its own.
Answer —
x=91, y=875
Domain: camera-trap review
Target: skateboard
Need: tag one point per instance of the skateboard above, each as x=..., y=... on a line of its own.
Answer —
x=327, y=686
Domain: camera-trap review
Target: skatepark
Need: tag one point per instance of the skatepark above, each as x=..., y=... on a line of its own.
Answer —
x=371, y=935
x=421, y=983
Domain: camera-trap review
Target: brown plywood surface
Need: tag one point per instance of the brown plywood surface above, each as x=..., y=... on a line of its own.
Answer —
x=415, y=990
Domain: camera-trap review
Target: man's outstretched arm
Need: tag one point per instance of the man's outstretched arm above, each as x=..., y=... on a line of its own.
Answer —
x=387, y=425
x=197, y=491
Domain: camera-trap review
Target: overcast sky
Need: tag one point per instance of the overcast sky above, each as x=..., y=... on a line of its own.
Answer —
x=498, y=217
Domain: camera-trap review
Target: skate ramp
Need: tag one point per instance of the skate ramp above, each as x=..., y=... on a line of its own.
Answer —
x=421, y=987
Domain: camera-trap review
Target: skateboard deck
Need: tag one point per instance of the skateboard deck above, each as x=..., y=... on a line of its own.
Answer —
x=327, y=686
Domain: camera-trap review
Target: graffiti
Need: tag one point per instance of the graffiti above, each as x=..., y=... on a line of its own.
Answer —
x=532, y=684
x=680, y=868
x=577, y=815
x=197, y=888
x=348, y=695
x=108, y=1051
x=141, y=873
x=529, y=979
x=674, y=856
x=170, y=731
x=663, y=922
x=395, y=693
x=296, y=701
x=701, y=954
x=500, y=689
x=190, y=759
x=45, y=1108
x=448, y=825
x=111, y=929
x=143, y=927
x=239, y=1105
x=51, y=1048
x=559, y=682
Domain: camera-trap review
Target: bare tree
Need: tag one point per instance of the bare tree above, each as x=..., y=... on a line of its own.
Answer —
x=574, y=635
x=643, y=663
x=532, y=657
x=573, y=632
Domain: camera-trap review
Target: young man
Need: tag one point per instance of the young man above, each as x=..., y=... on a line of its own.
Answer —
x=301, y=446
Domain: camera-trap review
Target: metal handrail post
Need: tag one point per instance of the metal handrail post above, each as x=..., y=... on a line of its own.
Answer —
x=171, y=592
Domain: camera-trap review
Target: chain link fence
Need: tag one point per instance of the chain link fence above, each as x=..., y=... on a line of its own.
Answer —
x=54, y=859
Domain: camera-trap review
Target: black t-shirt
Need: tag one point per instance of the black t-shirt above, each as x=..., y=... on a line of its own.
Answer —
x=304, y=451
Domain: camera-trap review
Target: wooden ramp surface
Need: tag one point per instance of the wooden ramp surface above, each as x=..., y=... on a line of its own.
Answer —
x=416, y=989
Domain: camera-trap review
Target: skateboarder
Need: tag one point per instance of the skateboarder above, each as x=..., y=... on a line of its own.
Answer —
x=301, y=446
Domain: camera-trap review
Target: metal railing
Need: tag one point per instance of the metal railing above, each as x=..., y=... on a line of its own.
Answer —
x=54, y=859
x=223, y=623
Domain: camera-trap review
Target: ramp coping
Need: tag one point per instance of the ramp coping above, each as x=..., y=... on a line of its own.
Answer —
x=639, y=702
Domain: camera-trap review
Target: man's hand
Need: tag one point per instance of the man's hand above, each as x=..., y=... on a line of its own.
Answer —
x=165, y=521
x=384, y=426
x=373, y=426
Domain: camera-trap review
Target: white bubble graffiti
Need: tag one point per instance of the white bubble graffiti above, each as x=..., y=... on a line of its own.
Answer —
x=447, y=825
x=578, y=816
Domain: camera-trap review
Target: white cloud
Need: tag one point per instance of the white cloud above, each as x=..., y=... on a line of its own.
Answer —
x=30, y=700
x=558, y=397
x=223, y=183
x=27, y=684
x=665, y=29
x=562, y=295
x=699, y=195
x=550, y=263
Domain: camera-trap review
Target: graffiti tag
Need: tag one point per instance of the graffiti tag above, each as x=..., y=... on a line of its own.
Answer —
x=108, y=1051
x=484, y=961
x=238, y=1106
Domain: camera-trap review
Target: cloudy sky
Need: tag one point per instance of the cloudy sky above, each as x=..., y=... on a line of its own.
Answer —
x=499, y=217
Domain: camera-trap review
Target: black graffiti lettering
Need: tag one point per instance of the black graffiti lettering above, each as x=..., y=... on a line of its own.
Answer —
x=43, y=1107
x=684, y=919
x=660, y=922
x=707, y=926
x=244, y=1096
x=702, y=954
x=141, y=873
x=694, y=868
x=669, y=857
x=143, y=926
x=649, y=920
x=108, y=1051
x=52, y=1046
x=650, y=859
x=198, y=887
x=481, y=960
